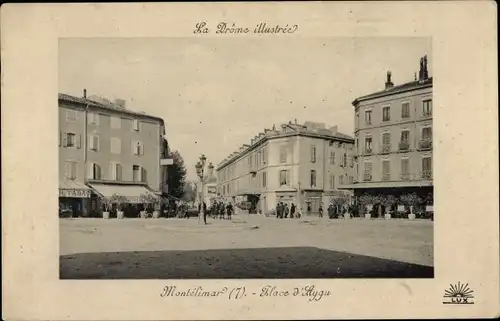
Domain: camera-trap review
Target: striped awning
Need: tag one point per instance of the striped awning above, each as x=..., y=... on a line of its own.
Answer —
x=73, y=189
x=132, y=193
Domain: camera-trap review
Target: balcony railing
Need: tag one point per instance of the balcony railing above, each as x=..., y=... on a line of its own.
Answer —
x=367, y=177
x=426, y=175
x=405, y=176
x=386, y=176
x=368, y=151
x=427, y=114
x=425, y=144
x=386, y=148
x=404, y=146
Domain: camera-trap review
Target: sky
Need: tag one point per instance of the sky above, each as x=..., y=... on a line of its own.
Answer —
x=216, y=94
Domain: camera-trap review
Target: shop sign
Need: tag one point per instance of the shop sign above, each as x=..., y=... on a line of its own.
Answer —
x=212, y=190
x=77, y=193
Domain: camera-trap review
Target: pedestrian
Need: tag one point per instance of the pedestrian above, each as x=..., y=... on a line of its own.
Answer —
x=292, y=210
x=320, y=210
x=205, y=213
x=228, y=211
x=221, y=210
x=286, y=210
x=279, y=210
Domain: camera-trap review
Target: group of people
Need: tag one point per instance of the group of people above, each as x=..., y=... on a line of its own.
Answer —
x=216, y=210
x=283, y=210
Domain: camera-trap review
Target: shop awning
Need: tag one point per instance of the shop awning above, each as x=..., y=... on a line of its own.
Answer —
x=73, y=189
x=131, y=192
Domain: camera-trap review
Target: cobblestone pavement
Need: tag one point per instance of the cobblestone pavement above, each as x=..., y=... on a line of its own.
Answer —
x=248, y=246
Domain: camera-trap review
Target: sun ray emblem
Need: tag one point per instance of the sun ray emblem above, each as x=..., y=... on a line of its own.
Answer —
x=459, y=294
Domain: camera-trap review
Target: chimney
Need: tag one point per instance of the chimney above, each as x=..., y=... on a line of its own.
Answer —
x=388, y=83
x=85, y=93
x=415, y=76
x=295, y=121
x=426, y=72
x=120, y=103
x=421, y=70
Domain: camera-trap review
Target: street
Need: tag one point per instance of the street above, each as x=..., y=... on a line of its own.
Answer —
x=249, y=246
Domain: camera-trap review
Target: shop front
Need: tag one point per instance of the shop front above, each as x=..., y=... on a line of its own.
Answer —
x=74, y=199
x=313, y=200
x=132, y=199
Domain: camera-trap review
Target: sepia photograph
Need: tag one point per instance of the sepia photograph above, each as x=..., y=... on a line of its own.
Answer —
x=263, y=158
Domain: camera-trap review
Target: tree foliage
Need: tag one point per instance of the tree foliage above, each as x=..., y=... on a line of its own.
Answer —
x=189, y=192
x=176, y=175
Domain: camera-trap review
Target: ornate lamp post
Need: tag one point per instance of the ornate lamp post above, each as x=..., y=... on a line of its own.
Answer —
x=200, y=171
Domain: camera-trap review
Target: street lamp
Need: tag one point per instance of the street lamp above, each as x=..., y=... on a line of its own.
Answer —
x=200, y=171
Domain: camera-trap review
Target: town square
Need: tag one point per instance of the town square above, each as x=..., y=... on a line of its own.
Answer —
x=306, y=174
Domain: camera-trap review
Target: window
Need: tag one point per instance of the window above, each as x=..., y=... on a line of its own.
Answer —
x=386, y=170
x=386, y=138
x=283, y=154
x=426, y=167
x=94, y=171
x=94, y=142
x=137, y=148
x=264, y=155
x=427, y=133
x=70, y=170
x=386, y=113
x=427, y=107
x=71, y=115
x=332, y=158
x=93, y=118
x=136, y=173
x=136, y=125
x=313, y=153
x=116, y=122
x=332, y=181
x=405, y=110
x=264, y=179
x=357, y=120
x=116, y=145
x=70, y=140
x=368, y=144
x=368, y=171
x=116, y=171
x=405, y=136
x=313, y=178
x=405, y=168
x=344, y=163
x=283, y=177
x=368, y=117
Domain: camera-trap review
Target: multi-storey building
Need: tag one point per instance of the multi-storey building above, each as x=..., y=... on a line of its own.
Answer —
x=303, y=164
x=105, y=149
x=393, y=134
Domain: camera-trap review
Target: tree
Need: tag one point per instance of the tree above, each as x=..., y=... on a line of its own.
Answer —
x=176, y=175
x=189, y=192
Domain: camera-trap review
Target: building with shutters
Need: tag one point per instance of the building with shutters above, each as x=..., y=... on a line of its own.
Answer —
x=393, y=134
x=304, y=164
x=105, y=149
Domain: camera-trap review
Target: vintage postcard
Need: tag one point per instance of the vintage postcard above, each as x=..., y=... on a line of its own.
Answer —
x=250, y=160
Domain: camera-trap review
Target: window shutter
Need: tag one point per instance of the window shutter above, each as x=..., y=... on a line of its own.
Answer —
x=96, y=143
x=60, y=138
x=65, y=140
x=144, y=175
x=140, y=174
x=98, y=171
x=119, y=172
x=79, y=141
x=91, y=142
x=142, y=149
x=67, y=169
x=112, y=175
x=73, y=170
x=90, y=171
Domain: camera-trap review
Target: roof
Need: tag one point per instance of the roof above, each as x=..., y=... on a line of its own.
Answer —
x=296, y=130
x=110, y=107
x=409, y=86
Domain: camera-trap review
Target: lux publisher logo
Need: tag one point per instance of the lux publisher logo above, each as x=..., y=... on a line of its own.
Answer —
x=458, y=294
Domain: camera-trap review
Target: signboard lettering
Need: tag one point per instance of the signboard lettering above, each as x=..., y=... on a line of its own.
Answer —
x=77, y=193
